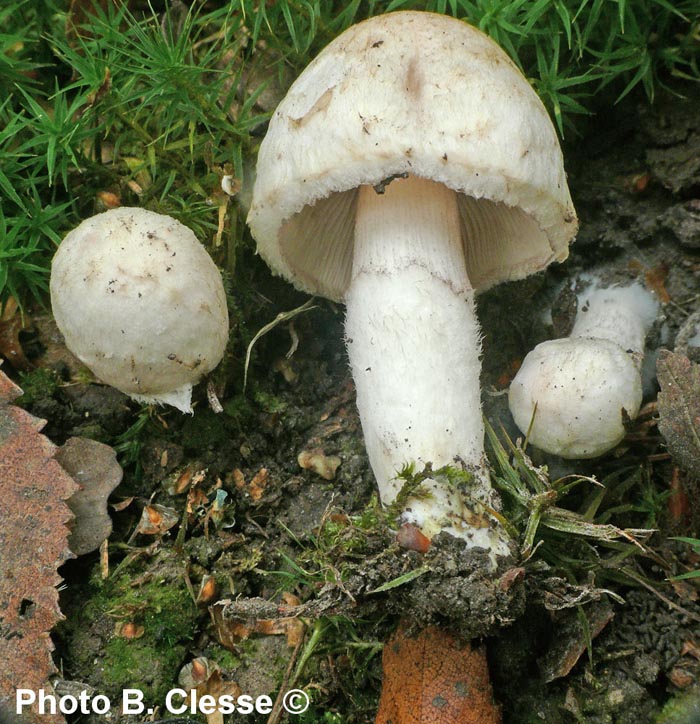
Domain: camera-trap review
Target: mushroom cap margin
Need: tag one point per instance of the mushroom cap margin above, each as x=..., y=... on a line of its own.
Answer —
x=419, y=93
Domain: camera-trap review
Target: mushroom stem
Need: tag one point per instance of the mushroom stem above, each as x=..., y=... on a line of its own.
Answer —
x=620, y=314
x=413, y=342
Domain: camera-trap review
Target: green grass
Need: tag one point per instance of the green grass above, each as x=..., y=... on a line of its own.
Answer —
x=156, y=108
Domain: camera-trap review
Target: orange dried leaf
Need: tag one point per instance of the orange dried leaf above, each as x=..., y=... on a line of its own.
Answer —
x=238, y=479
x=156, y=520
x=235, y=621
x=207, y=591
x=34, y=543
x=410, y=537
x=259, y=483
x=433, y=678
x=655, y=280
x=108, y=200
x=128, y=630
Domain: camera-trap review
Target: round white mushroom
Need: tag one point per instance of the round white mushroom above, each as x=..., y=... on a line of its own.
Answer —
x=411, y=165
x=141, y=303
x=571, y=395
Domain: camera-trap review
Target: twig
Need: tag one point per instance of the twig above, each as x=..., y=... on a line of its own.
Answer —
x=665, y=599
x=277, y=707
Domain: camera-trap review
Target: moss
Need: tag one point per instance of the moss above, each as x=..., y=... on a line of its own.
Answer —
x=684, y=708
x=268, y=402
x=205, y=430
x=39, y=384
x=238, y=408
x=227, y=660
x=158, y=601
x=168, y=615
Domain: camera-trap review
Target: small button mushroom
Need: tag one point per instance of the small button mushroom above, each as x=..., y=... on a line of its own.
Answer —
x=582, y=384
x=409, y=166
x=141, y=303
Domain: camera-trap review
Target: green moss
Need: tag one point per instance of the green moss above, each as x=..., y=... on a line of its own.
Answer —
x=268, y=402
x=684, y=708
x=227, y=660
x=39, y=384
x=139, y=664
x=238, y=408
x=205, y=430
x=158, y=601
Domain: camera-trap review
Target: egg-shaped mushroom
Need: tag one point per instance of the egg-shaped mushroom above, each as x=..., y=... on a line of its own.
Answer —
x=571, y=395
x=140, y=302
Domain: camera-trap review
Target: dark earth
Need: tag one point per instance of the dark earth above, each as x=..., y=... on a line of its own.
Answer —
x=635, y=177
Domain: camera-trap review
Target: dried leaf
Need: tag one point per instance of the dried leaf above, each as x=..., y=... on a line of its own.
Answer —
x=235, y=621
x=202, y=677
x=433, y=678
x=411, y=538
x=33, y=544
x=655, y=280
x=208, y=589
x=259, y=483
x=557, y=594
x=128, y=630
x=681, y=678
x=156, y=520
x=12, y=323
x=94, y=467
x=574, y=636
x=679, y=409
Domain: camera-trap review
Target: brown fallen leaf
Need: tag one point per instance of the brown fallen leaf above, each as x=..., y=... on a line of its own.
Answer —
x=681, y=678
x=679, y=409
x=129, y=630
x=655, y=280
x=207, y=591
x=256, y=487
x=156, y=520
x=573, y=637
x=12, y=322
x=235, y=621
x=411, y=538
x=94, y=467
x=203, y=678
x=33, y=544
x=433, y=678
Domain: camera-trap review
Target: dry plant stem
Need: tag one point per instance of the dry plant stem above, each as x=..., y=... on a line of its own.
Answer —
x=277, y=709
x=414, y=344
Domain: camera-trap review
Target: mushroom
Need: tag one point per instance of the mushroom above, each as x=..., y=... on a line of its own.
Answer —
x=571, y=395
x=410, y=165
x=141, y=303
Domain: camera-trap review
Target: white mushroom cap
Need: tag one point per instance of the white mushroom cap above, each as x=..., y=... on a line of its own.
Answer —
x=141, y=303
x=460, y=112
x=580, y=387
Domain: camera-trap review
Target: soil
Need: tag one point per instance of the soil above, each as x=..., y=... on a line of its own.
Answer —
x=262, y=524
